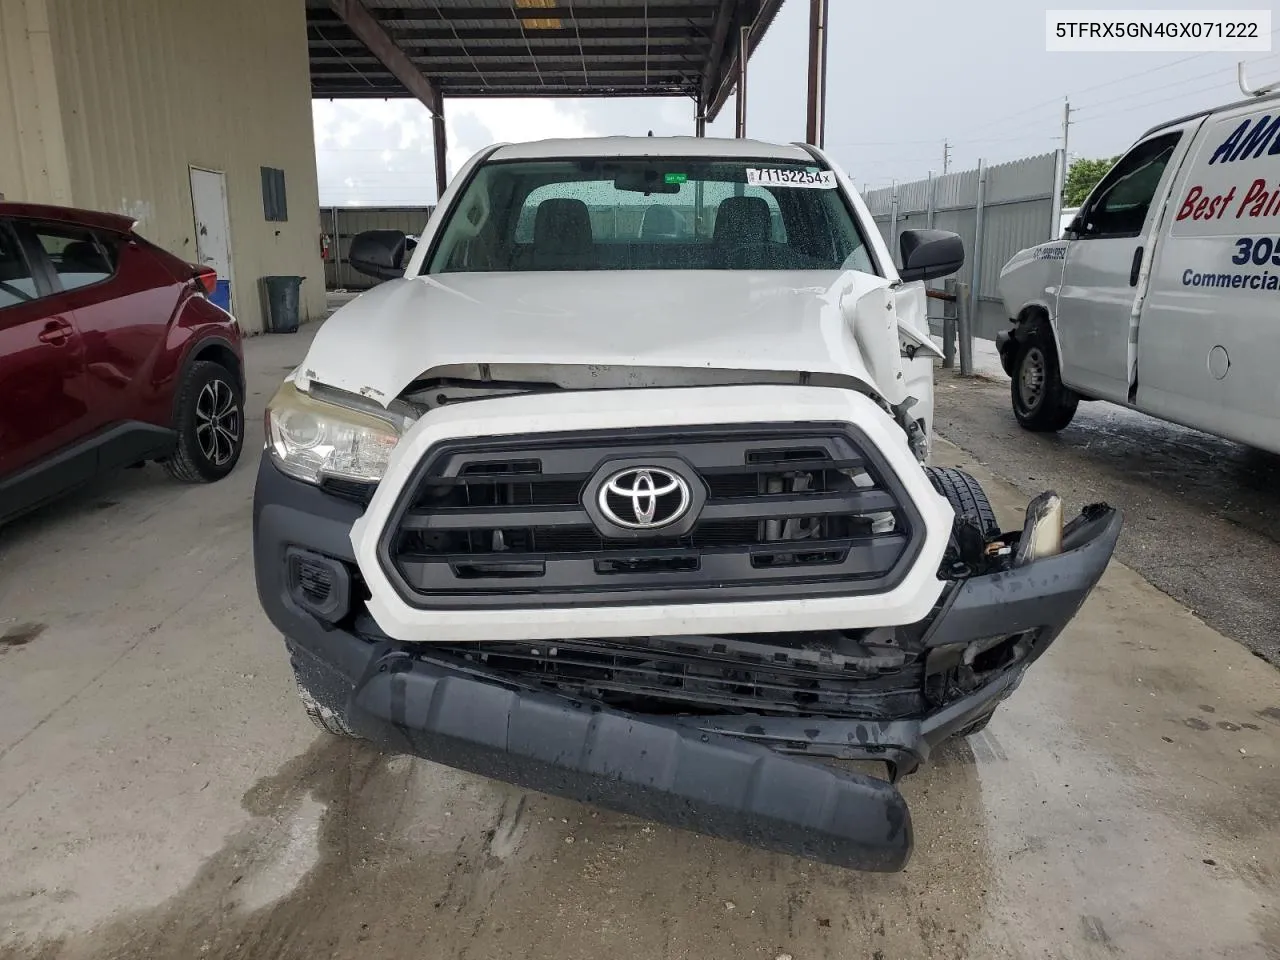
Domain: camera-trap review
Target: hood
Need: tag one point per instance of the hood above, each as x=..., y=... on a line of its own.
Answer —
x=713, y=321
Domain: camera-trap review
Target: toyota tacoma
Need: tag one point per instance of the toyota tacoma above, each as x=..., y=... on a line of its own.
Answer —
x=617, y=489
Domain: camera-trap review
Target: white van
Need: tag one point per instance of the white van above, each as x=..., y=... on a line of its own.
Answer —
x=1164, y=294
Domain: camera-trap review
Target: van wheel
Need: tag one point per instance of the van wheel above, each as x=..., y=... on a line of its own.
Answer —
x=210, y=425
x=1040, y=400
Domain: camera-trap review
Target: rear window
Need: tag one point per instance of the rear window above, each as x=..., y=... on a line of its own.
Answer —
x=650, y=214
x=79, y=256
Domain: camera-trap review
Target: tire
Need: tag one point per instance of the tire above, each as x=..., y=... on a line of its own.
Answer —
x=966, y=497
x=977, y=726
x=209, y=425
x=1041, y=402
x=326, y=718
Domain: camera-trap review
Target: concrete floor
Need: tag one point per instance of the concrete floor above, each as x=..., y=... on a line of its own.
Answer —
x=1203, y=514
x=162, y=794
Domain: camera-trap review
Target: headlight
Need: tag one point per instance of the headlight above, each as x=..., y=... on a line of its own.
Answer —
x=325, y=433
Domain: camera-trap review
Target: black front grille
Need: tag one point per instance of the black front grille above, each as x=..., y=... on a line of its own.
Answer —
x=703, y=675
x=789, y=511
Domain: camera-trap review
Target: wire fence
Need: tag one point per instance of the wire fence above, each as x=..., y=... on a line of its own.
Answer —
x=996, y=210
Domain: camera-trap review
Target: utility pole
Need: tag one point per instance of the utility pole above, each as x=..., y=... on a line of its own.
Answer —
x=1060, y=172
x=946, y=155
x=1066, y=125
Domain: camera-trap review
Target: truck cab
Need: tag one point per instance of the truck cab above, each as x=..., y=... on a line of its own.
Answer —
x=1161, y=296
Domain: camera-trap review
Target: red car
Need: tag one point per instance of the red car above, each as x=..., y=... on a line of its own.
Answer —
x=110, y=354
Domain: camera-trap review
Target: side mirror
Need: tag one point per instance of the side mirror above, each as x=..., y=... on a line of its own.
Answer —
x=379, y=253
x=929, y=254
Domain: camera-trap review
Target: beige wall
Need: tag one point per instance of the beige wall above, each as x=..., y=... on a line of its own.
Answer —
x=33, y=158
x=149, y=87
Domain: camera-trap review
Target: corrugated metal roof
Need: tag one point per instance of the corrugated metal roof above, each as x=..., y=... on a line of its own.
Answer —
x=516, y=48
x=682, y=147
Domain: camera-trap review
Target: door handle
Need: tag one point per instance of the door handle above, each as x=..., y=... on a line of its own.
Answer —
x=1135, y=267
x=55, y=332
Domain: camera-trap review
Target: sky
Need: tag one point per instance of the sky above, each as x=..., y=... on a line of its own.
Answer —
x=902, y=78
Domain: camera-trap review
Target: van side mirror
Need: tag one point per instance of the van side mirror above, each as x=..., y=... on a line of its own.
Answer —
x=379, y=253
x=929, y=254
x=1076, y=226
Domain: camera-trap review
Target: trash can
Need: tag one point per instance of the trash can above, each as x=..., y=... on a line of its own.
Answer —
x=280, y=297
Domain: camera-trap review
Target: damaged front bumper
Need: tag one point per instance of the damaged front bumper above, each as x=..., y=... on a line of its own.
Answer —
x=742, y=776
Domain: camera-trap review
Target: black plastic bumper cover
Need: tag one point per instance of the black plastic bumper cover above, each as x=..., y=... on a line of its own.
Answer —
x=667, y=772
x=714, y=775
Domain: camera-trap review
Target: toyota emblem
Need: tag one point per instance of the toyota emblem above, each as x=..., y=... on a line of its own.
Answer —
x=644, y=498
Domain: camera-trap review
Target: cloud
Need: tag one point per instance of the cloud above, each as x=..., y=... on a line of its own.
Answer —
x=381, y=151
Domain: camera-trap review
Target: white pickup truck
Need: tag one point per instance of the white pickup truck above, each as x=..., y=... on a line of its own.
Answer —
x=1164, y=294
x=617, y=490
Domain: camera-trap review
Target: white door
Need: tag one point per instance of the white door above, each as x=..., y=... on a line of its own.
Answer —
x=213, y=229
x=1209, y=350
x=1099, y=294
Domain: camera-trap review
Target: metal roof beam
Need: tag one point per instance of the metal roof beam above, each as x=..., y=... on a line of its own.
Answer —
x=720, y=33
x=515, y=93
x=583, y=12
x=538, y=39
x=380, y=43
x=384, y=86
x=335, y=72
x=759, y=14
x=556, y=55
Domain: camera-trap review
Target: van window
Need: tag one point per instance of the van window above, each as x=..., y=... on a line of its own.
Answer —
x=1119, y=205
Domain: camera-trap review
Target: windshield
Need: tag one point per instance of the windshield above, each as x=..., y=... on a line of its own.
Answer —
x=650, y=214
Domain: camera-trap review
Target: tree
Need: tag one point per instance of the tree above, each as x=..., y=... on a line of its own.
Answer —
x=1083, y=176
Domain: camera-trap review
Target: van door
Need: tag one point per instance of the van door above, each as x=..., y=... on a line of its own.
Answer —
x=1209, y=350
x=1099, y=292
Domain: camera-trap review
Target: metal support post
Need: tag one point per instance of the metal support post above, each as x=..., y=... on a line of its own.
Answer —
x=949, y=311
x=931, y=210
x=964, y=329
x=816, y=115
x=893, y=221
x=744, y=40
x=336, y=251
x=441, y=147
x=975, y=271
x=1059, y=184
x=700, y=117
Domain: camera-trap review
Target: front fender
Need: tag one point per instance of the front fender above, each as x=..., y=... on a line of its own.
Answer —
x=1032, y=277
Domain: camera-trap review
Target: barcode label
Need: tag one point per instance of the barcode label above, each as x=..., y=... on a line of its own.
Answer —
x=784, y=177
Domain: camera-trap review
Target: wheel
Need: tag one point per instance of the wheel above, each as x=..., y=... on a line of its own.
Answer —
x=210, y=425
x=967, y=498
x=326, y=718
x=1040, y=400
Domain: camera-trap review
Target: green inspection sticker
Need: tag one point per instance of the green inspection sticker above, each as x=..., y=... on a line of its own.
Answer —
x=675, y=178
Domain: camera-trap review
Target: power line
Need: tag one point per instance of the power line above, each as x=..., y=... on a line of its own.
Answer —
x=896, y=143
x=1097, y=86
x=1153, y=103
x=1176, y=83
